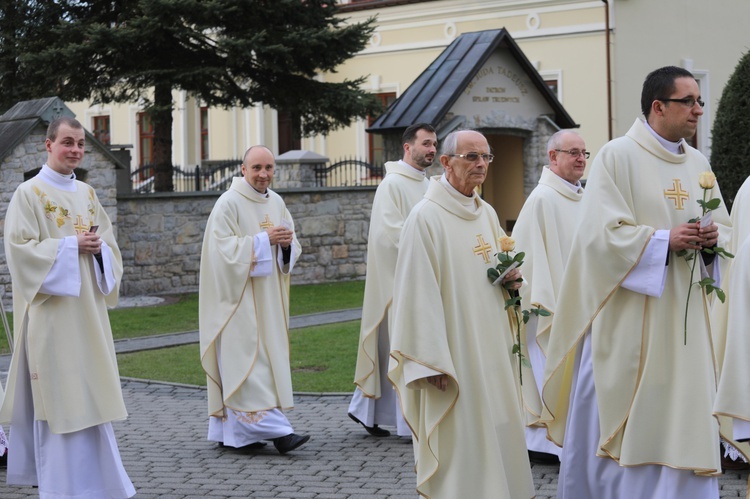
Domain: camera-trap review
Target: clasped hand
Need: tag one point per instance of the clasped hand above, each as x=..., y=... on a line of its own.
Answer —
x=690, y=236
x=280, y=235
x=89, y=243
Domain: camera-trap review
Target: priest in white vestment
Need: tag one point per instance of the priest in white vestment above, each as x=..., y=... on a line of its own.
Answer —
x=733, y=320
x=630, y=381
x=544, y=231
x=63, y=388
x=451, y=343
x=374, y=402
x=249, y=250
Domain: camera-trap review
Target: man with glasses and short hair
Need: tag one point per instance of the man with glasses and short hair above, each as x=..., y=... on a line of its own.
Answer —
x=451, y=340
x=544, y=230
x=630, y=377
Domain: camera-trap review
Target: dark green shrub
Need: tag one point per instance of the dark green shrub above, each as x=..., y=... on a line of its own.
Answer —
x=730, y=146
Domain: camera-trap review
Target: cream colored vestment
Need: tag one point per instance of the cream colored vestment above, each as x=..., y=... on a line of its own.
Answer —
x=655, y=393
x=250, y=315
x=469, y=439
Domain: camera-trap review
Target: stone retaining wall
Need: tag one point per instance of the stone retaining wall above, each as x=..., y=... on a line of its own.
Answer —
x=160, y=236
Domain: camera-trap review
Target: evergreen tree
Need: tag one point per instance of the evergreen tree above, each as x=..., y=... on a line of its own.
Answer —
x=24, y=29
x=730, y=147
x=223, y=52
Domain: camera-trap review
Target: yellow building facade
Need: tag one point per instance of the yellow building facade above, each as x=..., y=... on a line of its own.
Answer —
x=565, y=40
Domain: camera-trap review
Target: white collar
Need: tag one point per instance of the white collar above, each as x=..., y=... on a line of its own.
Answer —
x=59, y=180
x=461, y=197
x=256, y=192
x=421, y=172
x=673, y=147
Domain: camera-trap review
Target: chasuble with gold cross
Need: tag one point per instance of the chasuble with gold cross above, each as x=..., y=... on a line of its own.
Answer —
x=449, y=319
x=655, y=393
x=244, y=320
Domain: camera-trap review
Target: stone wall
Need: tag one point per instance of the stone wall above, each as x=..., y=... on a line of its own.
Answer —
x=160, y=236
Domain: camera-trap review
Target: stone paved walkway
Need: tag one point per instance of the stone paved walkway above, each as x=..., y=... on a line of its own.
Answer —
x=164, y=449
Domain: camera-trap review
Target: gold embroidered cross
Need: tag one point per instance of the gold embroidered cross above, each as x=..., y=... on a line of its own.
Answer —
x=677, y=194
x=482, y=248
x=266, y=224
x=79, y=225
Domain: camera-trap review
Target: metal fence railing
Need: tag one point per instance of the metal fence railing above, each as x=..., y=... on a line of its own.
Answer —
x=347, y=172
x=217, y=175
x=212, y=176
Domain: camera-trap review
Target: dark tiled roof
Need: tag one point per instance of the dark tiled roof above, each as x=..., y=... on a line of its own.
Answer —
x=433, y=93
x=19, y=121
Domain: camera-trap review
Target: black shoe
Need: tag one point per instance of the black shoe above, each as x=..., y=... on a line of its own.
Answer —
x=4, y=460
x=252, y=446
x=543, y=458
x=289, y=442
x=373, y=430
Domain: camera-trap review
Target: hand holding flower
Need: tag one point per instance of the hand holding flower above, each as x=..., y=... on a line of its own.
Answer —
x=699, y=237
x=709, y=235
x=513, y=280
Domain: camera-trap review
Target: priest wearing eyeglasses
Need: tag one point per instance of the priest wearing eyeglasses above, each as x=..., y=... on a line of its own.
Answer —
x=544, y=230
x=451, y=343
x=630, y=378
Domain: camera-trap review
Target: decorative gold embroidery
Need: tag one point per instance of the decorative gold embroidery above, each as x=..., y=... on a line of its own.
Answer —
x=80, y=226
x=49, y=209
x=266, y=223
x=91, y=205
x=52, y=211
x=483, y=248
x=677, y=194
x=64, y=215
x=250, y=417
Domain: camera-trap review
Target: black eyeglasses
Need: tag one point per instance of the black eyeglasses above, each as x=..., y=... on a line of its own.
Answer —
x=687, y=101
x=473, y=156
x=575, y=152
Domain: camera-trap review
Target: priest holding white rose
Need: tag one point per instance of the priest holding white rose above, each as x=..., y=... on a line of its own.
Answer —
x=630, y=379
x=452, y=344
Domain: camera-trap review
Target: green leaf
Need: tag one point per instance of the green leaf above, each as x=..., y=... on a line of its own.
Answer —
x=720, y=294
x=516, y=349
x=706, y=281
x=713, y=204
x=693, y=220
x=525, y=362
x=722, y=252
x=682, y=253
x=492, y=274
x=543, y=312
x=519, y=257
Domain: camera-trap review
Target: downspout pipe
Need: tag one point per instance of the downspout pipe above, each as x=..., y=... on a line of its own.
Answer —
x=609, y=72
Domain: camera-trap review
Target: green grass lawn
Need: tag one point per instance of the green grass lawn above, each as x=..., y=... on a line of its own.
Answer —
x=322, y=357
x=183, y=315
x=322, y=360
